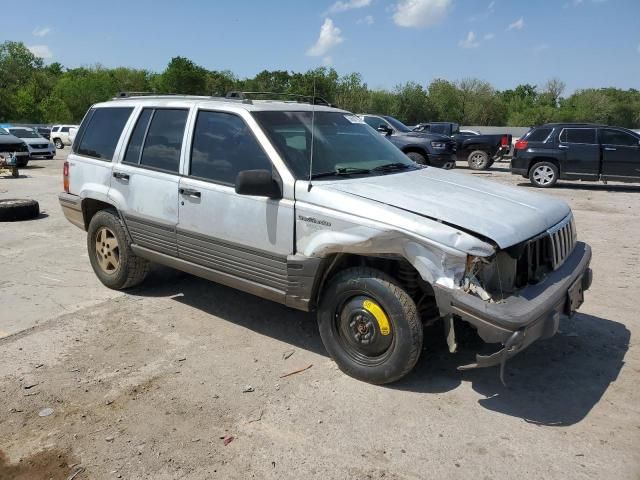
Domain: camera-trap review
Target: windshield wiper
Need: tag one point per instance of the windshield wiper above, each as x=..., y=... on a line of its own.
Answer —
x=339, y=172
x=389, y=167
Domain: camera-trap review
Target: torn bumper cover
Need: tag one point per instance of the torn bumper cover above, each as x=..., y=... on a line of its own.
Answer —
x=533, y=313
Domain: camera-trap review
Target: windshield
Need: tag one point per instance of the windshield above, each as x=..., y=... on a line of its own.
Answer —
x=397, y=124
x=342, y=142
x=24, y=133
x=2, y=132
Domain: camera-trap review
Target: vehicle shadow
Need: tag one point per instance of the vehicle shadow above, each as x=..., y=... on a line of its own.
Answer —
x=493, y=168
x=594, y=187
x=556, y=381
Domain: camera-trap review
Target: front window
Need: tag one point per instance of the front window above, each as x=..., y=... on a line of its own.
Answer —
x=609, y=136
x=24, y=133
x=397, y=124
x=342, y=143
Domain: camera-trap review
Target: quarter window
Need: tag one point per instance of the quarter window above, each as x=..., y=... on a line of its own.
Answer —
x=617, y=137
x=102, y=132
x=223, y=146
x=163, y=141
x=539, y=135
x=578, y=135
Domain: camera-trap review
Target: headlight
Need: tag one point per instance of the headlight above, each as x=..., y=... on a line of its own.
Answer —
x=438, y=144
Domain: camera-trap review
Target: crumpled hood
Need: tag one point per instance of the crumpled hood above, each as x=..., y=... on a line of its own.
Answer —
x=504, y=214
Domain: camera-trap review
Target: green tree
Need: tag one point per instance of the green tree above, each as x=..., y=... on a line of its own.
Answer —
x=182, y=76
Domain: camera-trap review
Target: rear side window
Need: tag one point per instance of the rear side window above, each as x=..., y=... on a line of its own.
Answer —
x=578, y=135
x=539, y=135
x=101, y=131
x=163, y=141
x=137, y=138
x=223, y=146
x=609, y=136
x=55, y=129
x=64, y=129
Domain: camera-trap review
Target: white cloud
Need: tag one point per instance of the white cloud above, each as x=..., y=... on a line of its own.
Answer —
x=330, y=36
x=517, y=25
x=470, y=41
x=42, y=51
x=538, y=49
x=41, y=32
x=368, y=20
x=341, y=6
x=420, y=13
x=489, y=36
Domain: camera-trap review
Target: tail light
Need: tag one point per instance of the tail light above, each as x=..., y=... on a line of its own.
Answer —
x=65, y=176
x=521, y=145
x=504, y=141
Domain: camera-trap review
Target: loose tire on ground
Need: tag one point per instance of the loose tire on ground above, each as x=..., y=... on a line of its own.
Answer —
x=478, y=160
x=351, y=305
x=22, y=162
x=418, y=158
x=14, y=210
x=543, y=175
x=110, y=253
x=58, y=143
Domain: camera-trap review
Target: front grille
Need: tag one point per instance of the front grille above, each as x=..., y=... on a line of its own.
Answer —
x=545, y=253
x=13, y=147
x=39, y=145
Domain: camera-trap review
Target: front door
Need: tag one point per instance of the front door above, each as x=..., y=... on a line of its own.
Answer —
x=620, y=154
x=145, y=182
x=239, y=237
x=581, y=151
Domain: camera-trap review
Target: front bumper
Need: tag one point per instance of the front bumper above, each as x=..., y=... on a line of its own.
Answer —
x=72, y=208
x=443, y=160
x=41, y=152
x=519, y=320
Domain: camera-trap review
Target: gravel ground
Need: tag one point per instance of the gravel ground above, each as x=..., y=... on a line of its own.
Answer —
x=181, y=378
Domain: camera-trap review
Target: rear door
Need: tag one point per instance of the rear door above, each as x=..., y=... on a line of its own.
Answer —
x=581, y=153
x=145, y=182
x=238, y=236
x=620, y=154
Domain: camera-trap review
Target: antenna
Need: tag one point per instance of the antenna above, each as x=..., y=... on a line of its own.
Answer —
x=313, y=122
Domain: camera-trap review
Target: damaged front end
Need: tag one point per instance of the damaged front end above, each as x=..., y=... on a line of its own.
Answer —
x=519, y=294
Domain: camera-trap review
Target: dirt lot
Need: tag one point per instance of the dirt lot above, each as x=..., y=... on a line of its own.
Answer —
x=149, y=383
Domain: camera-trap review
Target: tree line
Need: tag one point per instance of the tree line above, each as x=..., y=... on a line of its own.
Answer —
x=32, y=92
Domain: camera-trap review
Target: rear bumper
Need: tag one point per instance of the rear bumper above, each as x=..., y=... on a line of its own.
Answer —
x=519, y=320
x=519, y=166
x=444, y=160
x=72, y=208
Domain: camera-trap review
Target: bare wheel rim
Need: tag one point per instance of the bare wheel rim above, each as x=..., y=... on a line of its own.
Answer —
x=478, y=160
x=543, y=175
x=107, y=251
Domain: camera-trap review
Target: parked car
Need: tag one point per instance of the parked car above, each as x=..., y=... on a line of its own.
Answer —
x=376, y=244
x=60, y=135
x=37, y=145
x=480, y=151
x=423, y=148
x=12, y=144
x=44, y=132
x=577, y=151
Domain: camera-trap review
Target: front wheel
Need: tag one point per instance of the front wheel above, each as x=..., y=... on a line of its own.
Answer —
x=543, y=175
x=370, y=325
x=110, y=254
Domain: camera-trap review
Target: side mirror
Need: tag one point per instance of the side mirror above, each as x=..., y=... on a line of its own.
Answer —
x=257, y=183
x=385, y=129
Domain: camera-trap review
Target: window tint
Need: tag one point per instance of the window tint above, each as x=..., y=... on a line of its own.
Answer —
x=578, y=135
x=137, y=137
x=539, y=134
x=617, y=137
x=102, y=132
x=55, y=129
x=374, y=122
x=64, y=129
x=223, y=146
x=438, y=129
x=164, y=140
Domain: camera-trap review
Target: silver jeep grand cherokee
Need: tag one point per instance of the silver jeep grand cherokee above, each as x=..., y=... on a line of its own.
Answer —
x=308, y=206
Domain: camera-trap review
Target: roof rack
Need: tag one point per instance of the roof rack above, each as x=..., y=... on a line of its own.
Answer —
x=246, y=97
x=125, y=95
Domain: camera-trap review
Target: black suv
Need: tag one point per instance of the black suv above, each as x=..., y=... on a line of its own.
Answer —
x=577, y=151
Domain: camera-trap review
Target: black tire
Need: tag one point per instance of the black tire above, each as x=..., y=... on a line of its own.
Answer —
x=14, y=210
x=544, y=175
x=418, y=158
x=58, y=143
x=398, y=354
x=478, y=160
x=49, y=157
x=130, y=270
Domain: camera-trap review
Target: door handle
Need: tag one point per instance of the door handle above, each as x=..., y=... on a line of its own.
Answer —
x=610, y=149
x=563, y=146
x=188, y=192
x=121, y=176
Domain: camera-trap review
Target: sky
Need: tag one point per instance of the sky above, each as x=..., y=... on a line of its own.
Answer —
x=585, y=43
